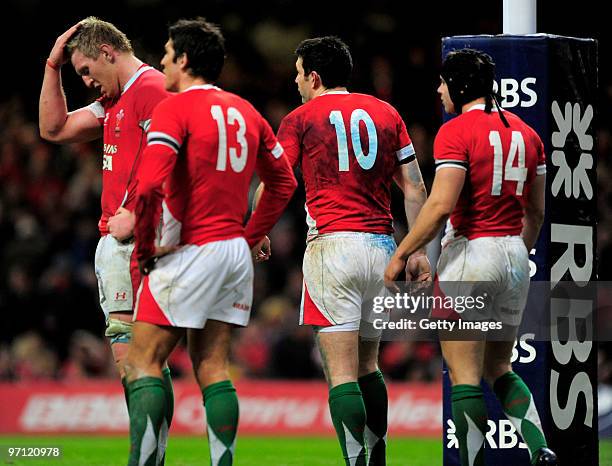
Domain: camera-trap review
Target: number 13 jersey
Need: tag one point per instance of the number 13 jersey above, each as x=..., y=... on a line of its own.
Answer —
x=501, y=164
x=348, y=147
x=208, y=143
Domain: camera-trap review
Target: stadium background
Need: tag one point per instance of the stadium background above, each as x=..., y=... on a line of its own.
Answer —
x=50, y=322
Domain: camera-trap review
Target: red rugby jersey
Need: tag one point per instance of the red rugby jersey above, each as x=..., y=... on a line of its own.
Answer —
x=348, y=147
x=501, y=164
x=125, y=121
x=205, y=144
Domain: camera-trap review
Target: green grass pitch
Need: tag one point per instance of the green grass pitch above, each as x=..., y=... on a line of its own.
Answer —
x=251, y=451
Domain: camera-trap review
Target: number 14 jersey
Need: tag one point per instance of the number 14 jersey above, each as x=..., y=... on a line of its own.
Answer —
x=501, y=164
x=348, y=147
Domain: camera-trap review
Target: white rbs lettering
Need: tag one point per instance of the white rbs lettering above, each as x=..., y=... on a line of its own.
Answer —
x=567, y=183
x=514, y=93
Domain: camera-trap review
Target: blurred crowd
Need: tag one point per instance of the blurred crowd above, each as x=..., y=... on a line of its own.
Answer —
x=51, y=325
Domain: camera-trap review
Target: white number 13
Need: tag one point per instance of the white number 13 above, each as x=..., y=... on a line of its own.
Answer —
x=238, y=162
x=510, y=173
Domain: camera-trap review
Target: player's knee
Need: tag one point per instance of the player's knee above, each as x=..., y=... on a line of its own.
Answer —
x=119, y=334
x=208, y=364
x=464, y=376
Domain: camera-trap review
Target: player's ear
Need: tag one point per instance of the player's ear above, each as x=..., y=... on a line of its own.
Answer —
x=183, y=62
x=106, y=53
x=316, y=79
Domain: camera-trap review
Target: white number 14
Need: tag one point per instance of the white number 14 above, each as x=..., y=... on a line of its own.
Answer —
x=510, y=173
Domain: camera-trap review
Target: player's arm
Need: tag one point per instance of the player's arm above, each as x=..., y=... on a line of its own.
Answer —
x=288, y=137
x=275, y=172
x=158, y=160
x=445, y=192
x=533, y=212
x=409, y=179
x=56, y=124
x=257, y=196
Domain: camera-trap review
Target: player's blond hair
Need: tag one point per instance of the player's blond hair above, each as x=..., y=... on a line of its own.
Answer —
x=93, y=33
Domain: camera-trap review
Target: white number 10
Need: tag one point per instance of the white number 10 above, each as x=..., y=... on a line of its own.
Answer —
x=238, y=162
x=512, y=173
x=366, y=161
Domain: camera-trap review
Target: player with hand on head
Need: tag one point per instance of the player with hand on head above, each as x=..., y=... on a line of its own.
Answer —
x=490, y=180
x=129, y=91
x=203, y=148
x=350, y=148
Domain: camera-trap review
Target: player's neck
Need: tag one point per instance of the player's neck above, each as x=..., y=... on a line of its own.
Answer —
x=325, y=90
x=466, y=107
x=127, y=65
x=186, y=81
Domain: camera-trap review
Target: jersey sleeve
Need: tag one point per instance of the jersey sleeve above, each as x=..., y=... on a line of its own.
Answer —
x=541, y=167
x=405, y=152
x=164, y=141
x=450, y=149
x=274, y=170
x=289, y=138
x=269, y=146
x=98, y=110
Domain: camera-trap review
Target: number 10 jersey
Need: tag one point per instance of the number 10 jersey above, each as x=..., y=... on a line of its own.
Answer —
x=348, y=147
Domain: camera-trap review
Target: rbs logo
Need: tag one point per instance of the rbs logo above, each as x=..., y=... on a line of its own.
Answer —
x=515, y=93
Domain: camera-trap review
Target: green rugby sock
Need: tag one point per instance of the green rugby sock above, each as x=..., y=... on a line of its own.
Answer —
x=349, y=417
x=125, y=392
x=168, y=390
x=518, y=405
x=470, y=417
x=222, y=412
x=374, y=393
x=147, y=420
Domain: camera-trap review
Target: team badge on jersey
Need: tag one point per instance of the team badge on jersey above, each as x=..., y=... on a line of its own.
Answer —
x=118, y=120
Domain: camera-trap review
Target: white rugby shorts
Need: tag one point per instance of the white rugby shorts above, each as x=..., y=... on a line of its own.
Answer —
x=496, y=267
x=343, y=273
x=117, y=272
x=196, y=283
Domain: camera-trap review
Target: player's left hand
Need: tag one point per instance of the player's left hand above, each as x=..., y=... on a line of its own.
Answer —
x=147, y=265
x=418, y=268
x=121, y=225
x=395, y=266
x=262, y=251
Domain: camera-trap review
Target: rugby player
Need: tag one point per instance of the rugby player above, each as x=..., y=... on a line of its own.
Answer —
x=490, y=180
x=129, y=91
x=204, y=145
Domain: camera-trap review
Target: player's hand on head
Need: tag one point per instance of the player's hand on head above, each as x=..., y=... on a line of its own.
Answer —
x=418, y=268
x=58, y=53
x=395, y=266
x=262, y=251
x=121, y=225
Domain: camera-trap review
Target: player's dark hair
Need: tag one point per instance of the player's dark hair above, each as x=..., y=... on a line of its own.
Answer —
x=203, y=44
x=330, y=57
x=470, y=74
